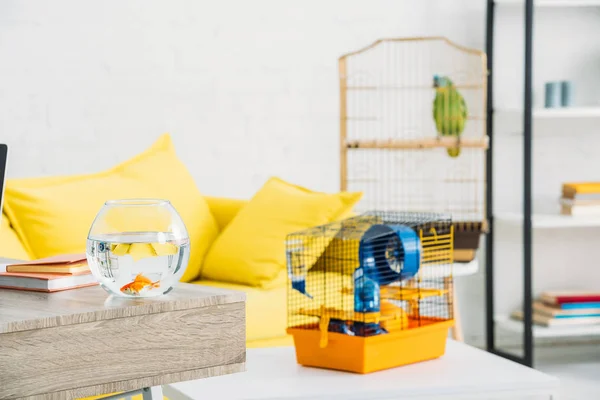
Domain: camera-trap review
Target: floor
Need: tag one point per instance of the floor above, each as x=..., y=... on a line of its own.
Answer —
x=577, y=367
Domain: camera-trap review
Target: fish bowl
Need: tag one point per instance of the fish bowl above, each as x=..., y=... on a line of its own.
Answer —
x=138, y=247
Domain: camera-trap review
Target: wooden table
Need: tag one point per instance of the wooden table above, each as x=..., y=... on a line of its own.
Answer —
x=464, y=372
x=83, y=342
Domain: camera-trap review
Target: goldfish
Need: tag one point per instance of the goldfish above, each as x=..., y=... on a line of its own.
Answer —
x=139, y=284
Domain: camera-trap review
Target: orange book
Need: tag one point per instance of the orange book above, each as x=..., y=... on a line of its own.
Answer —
x=63, y=264
x=50, y=269
x=62, y=259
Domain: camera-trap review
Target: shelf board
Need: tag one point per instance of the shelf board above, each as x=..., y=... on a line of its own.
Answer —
x=551, y=113
x=550, y=220
x=508, y=324
x=552, y=3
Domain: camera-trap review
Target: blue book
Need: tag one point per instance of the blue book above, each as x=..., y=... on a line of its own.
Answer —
x=556, y=321
x=578, y=306
x=564, y=311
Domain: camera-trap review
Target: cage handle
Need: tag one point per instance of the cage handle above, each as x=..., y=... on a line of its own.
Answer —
x=324, y=327
x=432, y=230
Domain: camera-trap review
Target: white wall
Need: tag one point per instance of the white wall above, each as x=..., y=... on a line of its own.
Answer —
x=249, y=89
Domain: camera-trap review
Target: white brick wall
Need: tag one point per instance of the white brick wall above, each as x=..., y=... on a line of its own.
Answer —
x=247, y=88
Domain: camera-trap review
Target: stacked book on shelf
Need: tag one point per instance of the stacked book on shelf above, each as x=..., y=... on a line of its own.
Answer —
x=580, y=199
x=48, y=274
x=559, y=309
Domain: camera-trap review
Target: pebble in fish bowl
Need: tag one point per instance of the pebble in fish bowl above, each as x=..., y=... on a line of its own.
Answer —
x=138, y=247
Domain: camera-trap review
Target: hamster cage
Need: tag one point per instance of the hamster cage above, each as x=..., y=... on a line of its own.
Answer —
x=413, y=131
x=371, y=292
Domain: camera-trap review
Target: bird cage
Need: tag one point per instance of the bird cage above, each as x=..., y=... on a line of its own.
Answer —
x=372, y=291
x=413, y=131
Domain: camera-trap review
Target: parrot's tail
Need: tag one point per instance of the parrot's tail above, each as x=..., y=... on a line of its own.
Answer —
x=454, y=151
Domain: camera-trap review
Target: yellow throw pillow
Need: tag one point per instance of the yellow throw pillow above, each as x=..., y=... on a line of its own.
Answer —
x=251, y=249
x=53, y=215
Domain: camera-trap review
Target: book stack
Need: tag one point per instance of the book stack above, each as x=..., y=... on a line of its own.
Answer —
x=48, y=274
x=580, y=199
x=558, y=309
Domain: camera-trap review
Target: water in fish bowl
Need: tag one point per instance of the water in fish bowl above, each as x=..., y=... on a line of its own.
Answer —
x=133, y=264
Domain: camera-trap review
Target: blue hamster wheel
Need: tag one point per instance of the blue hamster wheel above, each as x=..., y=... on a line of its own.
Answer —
x=390, y=253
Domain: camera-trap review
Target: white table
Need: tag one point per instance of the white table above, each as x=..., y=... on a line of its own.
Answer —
x=464, y=372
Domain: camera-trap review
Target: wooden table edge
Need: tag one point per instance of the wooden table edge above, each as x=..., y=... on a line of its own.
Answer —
x=117, y=386
x=226, y=297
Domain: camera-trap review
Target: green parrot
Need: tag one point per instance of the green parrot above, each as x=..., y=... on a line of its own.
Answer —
x=449, y=110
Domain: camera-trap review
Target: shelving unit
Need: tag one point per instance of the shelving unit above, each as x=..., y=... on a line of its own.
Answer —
x=526, y=219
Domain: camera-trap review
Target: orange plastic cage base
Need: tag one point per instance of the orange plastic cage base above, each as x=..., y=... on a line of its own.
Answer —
x=369, y=354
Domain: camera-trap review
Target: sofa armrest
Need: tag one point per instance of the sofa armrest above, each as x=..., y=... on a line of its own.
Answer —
x=224, y=209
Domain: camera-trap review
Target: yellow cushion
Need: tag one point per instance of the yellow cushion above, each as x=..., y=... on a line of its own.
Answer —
x=10, y=245
x=251, y=249
x=53, y=215
x=266, y=311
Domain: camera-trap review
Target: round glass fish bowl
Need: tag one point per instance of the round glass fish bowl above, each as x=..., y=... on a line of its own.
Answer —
x=138, y=247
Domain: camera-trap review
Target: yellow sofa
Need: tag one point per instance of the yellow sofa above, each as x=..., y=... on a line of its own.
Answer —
x=265, y=310
x=36, y=211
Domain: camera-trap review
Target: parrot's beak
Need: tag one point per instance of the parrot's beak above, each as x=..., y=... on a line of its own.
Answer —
x=436, y=83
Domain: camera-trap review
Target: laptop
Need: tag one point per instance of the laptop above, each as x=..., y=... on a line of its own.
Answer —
x=3, y=157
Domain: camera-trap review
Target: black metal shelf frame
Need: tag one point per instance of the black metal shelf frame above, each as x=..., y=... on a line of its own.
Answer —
x=527, y=357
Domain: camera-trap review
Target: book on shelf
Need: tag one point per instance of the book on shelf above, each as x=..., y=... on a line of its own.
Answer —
x=45, y=282
x=559, y=312
x=551, y=322
x=579, y=306
x=565, y=297
x=581, y=190
x=579, y=203
x=579, y=207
